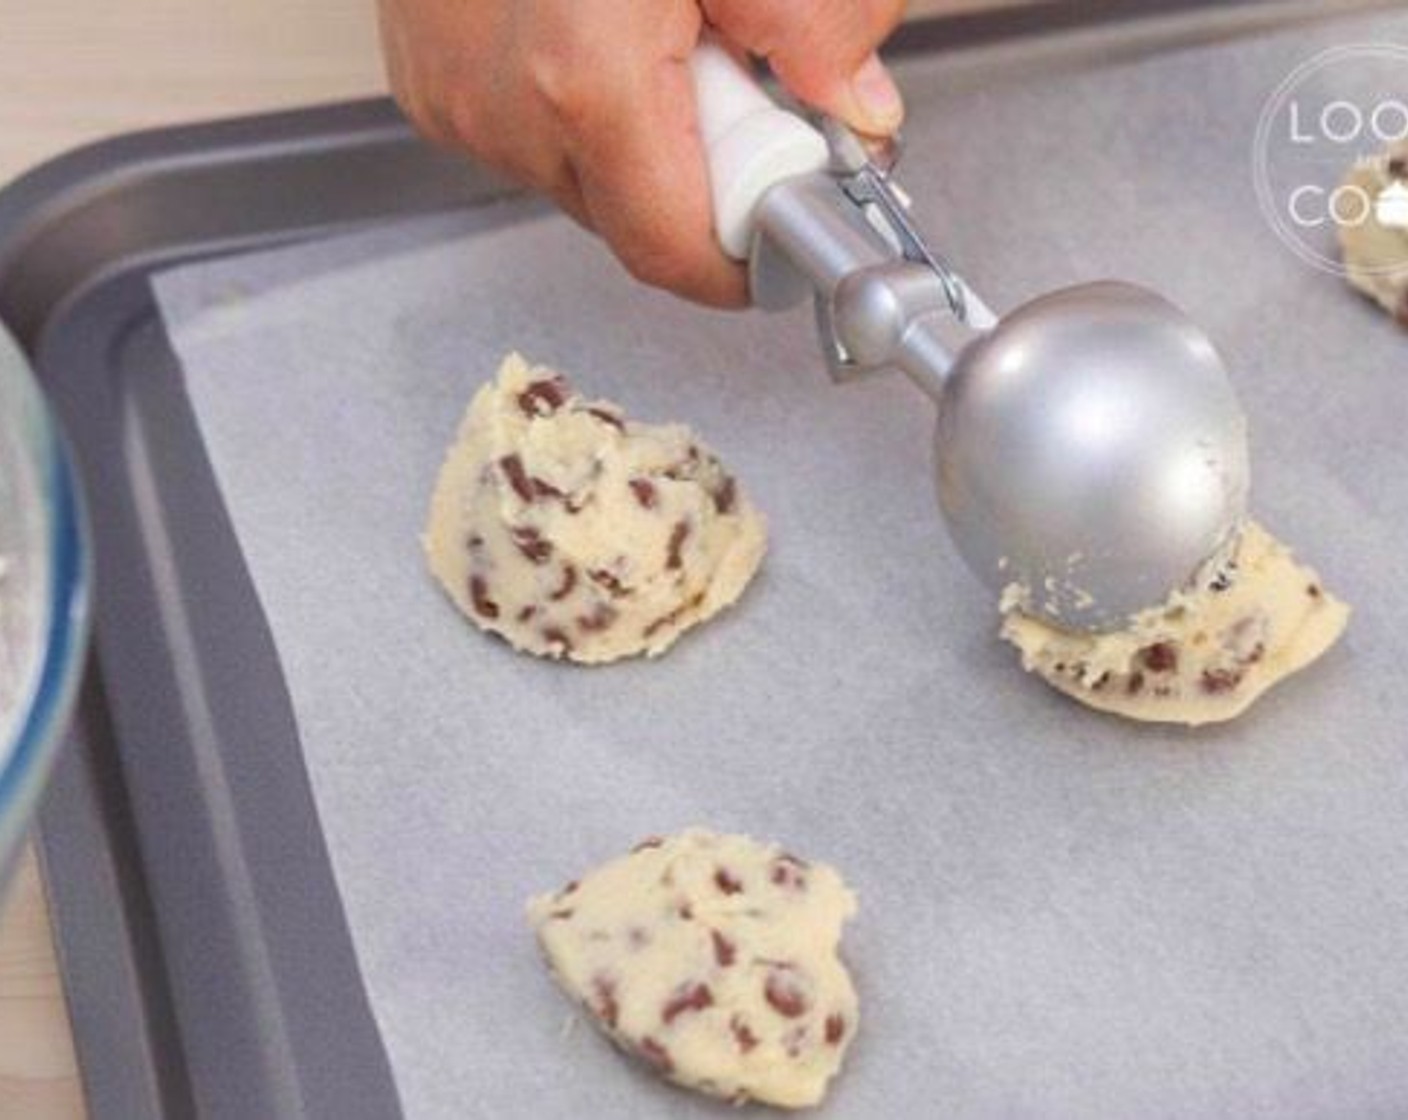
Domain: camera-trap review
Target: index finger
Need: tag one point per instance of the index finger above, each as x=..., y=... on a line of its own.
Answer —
x=634, y=143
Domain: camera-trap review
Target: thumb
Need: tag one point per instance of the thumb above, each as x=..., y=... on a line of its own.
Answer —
x=823, y=51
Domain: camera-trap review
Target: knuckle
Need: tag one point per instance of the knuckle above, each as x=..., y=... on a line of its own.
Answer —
x=567, y=82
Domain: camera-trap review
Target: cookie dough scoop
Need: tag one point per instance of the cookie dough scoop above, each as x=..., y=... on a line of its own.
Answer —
x=1091, y=454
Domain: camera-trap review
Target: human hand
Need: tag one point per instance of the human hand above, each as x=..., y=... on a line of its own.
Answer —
x=592, y=102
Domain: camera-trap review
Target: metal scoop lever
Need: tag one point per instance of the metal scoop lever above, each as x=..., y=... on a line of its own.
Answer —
x=1090, y=451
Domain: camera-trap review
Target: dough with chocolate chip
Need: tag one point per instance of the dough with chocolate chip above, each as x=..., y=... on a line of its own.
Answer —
x=1376, y=250
x=575, y=532
x=1203, y=656
x=712, y=959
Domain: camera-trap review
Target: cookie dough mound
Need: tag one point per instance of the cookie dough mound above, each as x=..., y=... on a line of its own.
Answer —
x=1206, y=654
x=712, y=959
x=1376, y=251
x=574, y=532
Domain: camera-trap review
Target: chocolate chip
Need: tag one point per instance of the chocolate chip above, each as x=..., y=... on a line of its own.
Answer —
x=1135, y=685
x=479, y=597
x=686, y=468
x=648, y=842
x=726, y=882
x=600, y=619
x=530, y=542
x=787, y=873
x=517, y=476
x=690, y=997
x=785, y=994
x=602, y=578
x=570, y=888
x=561, y=915
x=605, y=1006
x=1217, y=681
x=530, y=488
x=835, y=1029
x=1220, y=582
x=543, y=489
x=1100, y=682
x=555, y=637
x=745, y=1038
x=543, y=398
x=1161, y=657
x=1313, y=590
x=645, y=492
x=569, y=582
x=685, y=911
x=527, y=613
x=674, y=557
x=673, y=616
x=725, y=951
x=656, y=1054
x=726, y=496
x=1398, y=167
x=608, y=418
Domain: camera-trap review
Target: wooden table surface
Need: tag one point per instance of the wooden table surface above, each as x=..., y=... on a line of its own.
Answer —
x=38, y=1077
x=72, y=71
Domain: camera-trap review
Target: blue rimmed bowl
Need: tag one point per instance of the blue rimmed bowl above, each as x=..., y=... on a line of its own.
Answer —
x=45, y=573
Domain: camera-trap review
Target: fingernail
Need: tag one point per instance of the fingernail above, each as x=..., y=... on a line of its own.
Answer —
x=876, y=96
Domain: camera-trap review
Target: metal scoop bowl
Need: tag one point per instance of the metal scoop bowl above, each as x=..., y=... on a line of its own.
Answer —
x=1091, y=454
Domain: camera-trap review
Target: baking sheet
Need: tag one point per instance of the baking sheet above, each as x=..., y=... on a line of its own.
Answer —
x=1061, y=914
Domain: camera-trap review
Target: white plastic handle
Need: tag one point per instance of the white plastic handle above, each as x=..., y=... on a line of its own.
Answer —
x=751, y=142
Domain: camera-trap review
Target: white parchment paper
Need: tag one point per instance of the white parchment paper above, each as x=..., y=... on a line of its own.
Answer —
x=1062, y=914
